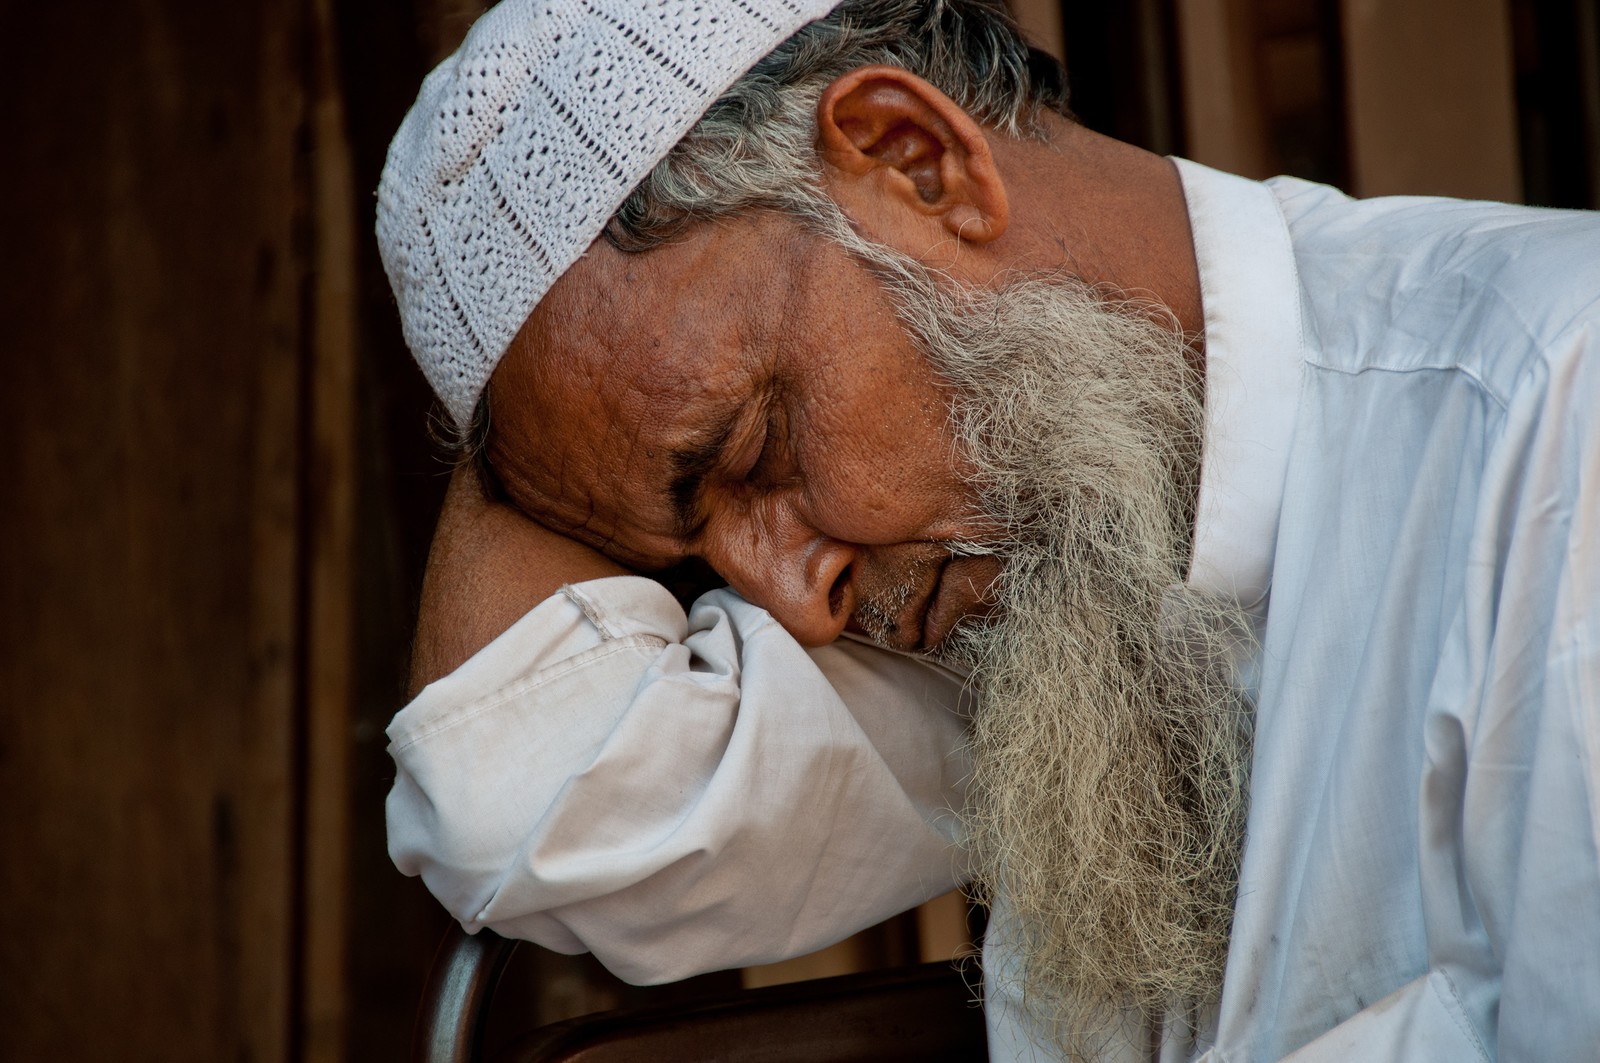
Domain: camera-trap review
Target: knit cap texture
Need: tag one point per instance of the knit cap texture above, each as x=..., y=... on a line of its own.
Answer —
x=522, y=145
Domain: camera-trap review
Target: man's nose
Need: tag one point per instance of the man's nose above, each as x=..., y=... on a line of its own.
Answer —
x=801, y=577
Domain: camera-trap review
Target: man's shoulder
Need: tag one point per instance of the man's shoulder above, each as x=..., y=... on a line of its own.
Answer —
x=1415, y=242
x=1415, y=282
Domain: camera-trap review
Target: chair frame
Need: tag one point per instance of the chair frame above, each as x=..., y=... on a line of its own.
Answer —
x=455, y=1002
x=922, y=1012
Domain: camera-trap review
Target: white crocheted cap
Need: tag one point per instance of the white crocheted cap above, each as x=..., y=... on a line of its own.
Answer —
x=522, y=145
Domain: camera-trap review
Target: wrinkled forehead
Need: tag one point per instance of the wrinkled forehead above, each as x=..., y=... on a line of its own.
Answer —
x=666, y=321
x=632, y=357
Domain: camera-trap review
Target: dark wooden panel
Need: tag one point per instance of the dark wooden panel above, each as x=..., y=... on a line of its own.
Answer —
x=147, y=616
x=1430, y=98
x=384, y=47
x=1123, y=73
x=1557, y=46
x=1263, y=87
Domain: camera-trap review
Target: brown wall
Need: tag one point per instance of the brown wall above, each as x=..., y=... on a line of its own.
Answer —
x=188, y=717
x=157, y=214
x=217, y=490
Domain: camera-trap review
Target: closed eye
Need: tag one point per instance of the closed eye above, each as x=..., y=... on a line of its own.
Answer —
x=767, y=470
x=756, y=464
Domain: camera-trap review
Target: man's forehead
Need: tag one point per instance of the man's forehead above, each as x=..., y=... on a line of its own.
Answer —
x=633, y=360
x=596, y=456
x=677, y=316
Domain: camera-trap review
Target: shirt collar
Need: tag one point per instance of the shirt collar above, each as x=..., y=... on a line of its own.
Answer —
x=1254, y=339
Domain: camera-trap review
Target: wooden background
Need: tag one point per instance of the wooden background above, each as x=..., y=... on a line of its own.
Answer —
x=218, y=490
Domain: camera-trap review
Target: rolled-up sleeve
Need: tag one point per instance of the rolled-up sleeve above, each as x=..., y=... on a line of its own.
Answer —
x=677, y=793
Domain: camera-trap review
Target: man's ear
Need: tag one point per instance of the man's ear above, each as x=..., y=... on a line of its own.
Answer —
x=901, y=154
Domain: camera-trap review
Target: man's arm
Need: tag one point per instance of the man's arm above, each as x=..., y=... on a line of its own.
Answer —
x=675, y=792
x=488, y=566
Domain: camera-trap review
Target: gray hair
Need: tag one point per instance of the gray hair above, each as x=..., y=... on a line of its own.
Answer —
x=755, y=147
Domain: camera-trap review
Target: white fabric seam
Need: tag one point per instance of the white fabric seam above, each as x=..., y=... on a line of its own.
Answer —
x=648, y=643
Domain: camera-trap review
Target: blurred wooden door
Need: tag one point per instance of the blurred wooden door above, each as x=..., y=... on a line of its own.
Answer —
x=150, y=594
x=175, y=615
x=218, y=491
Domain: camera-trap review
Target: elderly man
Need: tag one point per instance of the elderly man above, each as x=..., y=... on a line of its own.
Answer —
x=1208, y=572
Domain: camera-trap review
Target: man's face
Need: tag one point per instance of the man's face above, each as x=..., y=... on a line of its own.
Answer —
x=747, y=396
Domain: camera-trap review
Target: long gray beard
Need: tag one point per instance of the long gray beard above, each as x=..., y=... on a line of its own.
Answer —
x=1111, y=750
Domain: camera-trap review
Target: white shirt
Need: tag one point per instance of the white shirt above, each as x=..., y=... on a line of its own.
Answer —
x=1401, y=481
